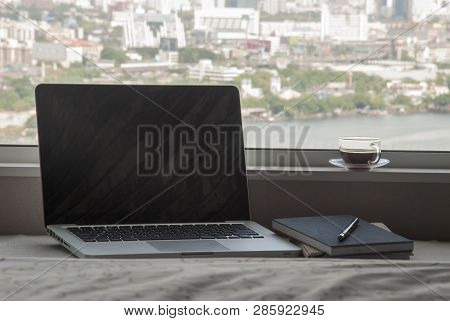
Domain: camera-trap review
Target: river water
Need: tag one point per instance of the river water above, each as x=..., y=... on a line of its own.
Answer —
x=426, y=131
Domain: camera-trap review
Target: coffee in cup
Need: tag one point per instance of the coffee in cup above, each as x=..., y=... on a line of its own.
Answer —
x=360, y=151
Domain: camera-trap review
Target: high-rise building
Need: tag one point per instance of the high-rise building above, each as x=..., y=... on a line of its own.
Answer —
x=401, y=9
x=16, y=40
x=148, y=29
x=13, y=52
x=370, y=7
x=274, y=6
x=421, y=9
x=241, y=4
x=343, y=26
x=19, y=30
x=228, y=23
x=211, y=4
x=165, y=6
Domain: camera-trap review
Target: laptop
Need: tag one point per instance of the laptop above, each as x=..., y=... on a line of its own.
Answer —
x=147, y=171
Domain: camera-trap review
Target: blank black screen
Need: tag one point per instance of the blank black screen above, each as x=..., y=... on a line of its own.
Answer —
x=92, y=154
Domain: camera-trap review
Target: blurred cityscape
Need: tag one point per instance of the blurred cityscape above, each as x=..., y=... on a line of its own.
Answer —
x=277, y=52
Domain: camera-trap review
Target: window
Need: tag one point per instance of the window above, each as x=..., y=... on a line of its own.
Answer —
x=309, y=71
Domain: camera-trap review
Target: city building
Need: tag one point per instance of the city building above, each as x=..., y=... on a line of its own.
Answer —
x=288, y=28
x=402, y=9
x=49, y=52
x=13, y=52
x=439, y=53
x=256, y=114
x=289, y=94
x=248, y=91
x=274, y=7
x=102, y=4
x=141, y=67
x=421, y=9
x=19, y=30
x=275, y=85
x=134, y=56
x=16, y=40
x=166, y=7
x=148, y=29
x=72, y=51
x=205, y=70
x=210, y=4
x=227, y=23
x=416, y=90
x=337, y=89
x=371, y=7
x=241, y=4
x=41, y=4
x=58, y=32
x=343, y=26
x=297, y=6
x=89, y=49
x=84, y=4
x=171, y=57
x=439, y=90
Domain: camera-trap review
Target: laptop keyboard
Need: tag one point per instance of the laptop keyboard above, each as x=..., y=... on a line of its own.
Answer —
x=121, y=233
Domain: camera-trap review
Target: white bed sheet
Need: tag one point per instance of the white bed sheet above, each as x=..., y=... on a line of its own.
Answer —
x=37, y=268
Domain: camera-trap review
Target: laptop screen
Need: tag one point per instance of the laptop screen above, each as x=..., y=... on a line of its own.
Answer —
x=117, y=154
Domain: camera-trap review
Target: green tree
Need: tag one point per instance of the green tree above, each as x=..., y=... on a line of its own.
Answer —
x=442, y=100
x=115, y=37
x=364, y=83
x=31, y=122
x=87, y=24
x=77, y=72
x=260, y=79
x=253, y=102
x=342, y=49
x=61, y=11
x=22, y=86
x=311, y=50
x=147, y=53
x=304, y=79
x=402, y=100
x=25, y=103
x=193, y=55
x=114, y=53
x=442, y=79
x=371, y=101
x=8, y=100
x=275, y=104
x=409, y=80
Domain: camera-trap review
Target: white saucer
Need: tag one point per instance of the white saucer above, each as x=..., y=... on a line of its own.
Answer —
x=338, y=162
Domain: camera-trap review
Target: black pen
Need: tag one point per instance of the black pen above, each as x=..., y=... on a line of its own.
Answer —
x=348, y=230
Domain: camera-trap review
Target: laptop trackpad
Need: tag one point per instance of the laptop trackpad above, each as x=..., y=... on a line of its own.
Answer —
x=188, y=246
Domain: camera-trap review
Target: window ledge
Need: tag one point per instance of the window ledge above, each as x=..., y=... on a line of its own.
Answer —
x=325, y=174
x=416, y=175
x=19, y=170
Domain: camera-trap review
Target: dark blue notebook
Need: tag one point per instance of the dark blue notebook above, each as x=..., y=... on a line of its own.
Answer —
x=322, y=232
